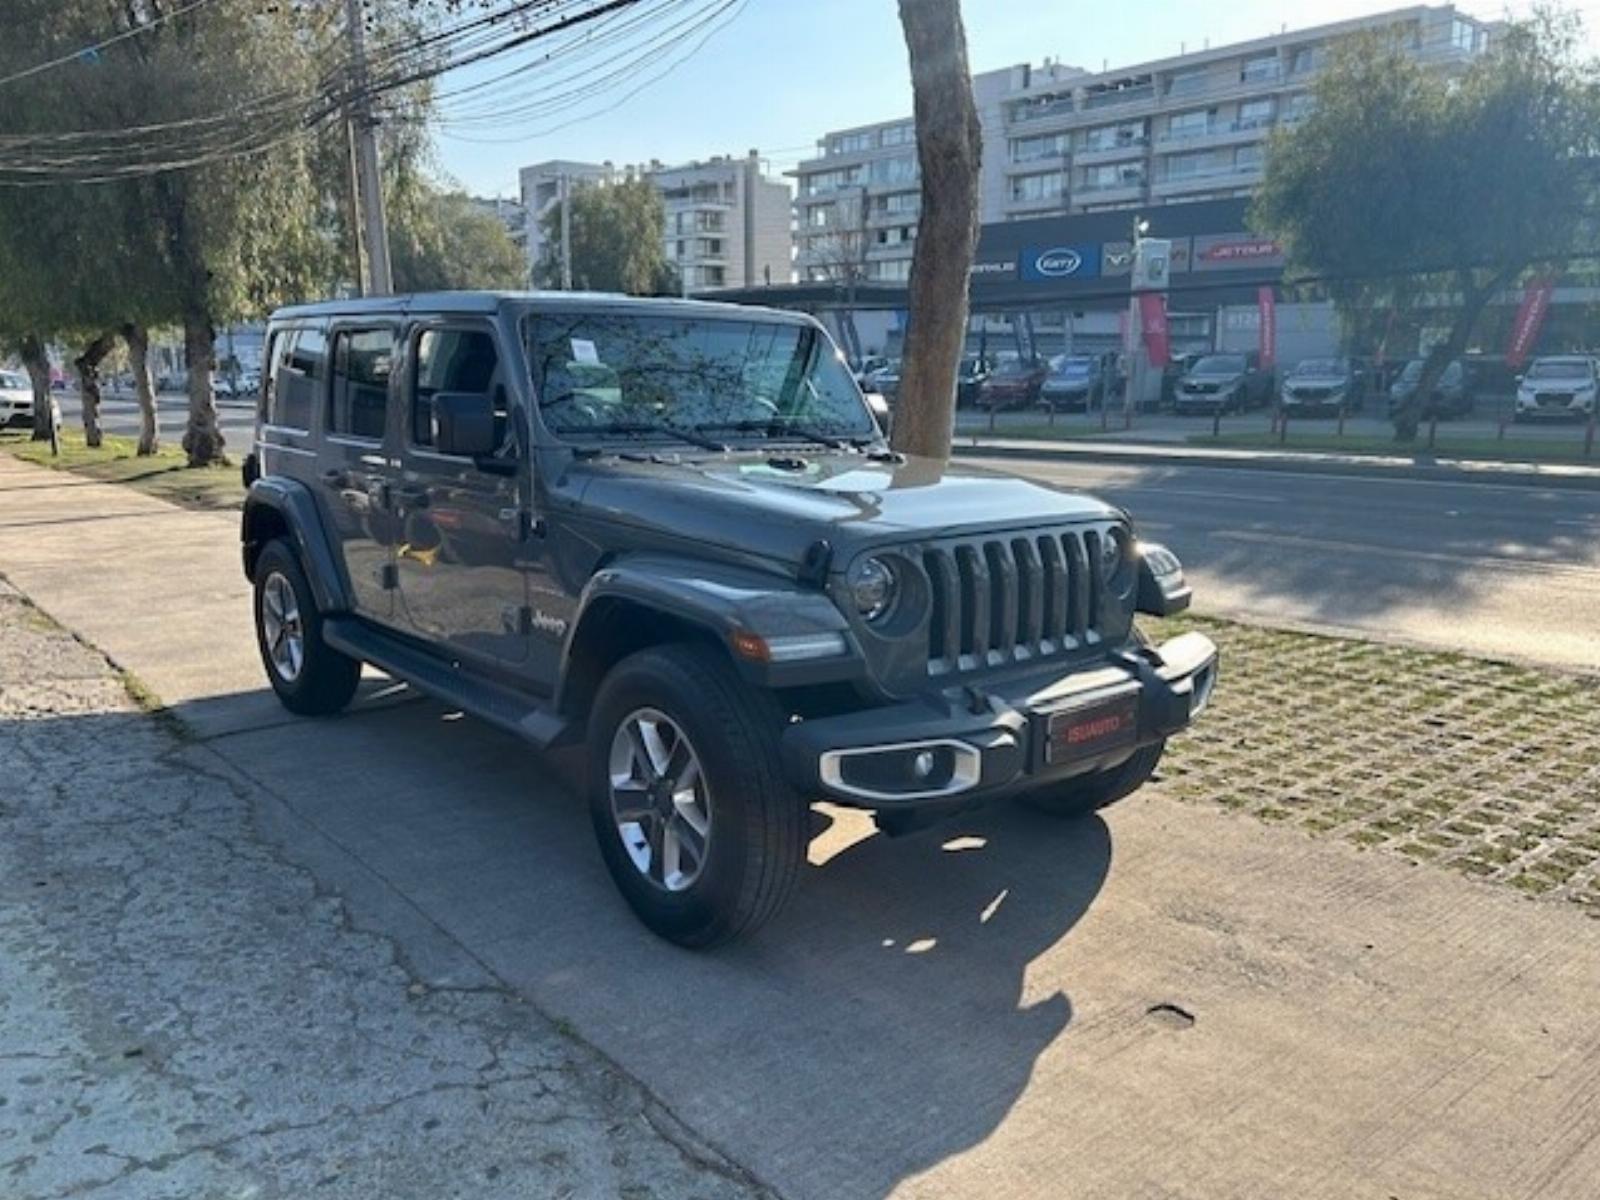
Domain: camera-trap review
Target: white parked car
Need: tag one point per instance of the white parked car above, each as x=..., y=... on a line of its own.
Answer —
x=1562, y=385
x=16, y=399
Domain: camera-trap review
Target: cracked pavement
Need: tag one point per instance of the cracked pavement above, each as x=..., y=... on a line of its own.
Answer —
x=184, y=1013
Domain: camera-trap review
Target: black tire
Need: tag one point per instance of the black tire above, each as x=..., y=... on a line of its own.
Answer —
x=1086, y=794
x=757, y=823
x=326, y=680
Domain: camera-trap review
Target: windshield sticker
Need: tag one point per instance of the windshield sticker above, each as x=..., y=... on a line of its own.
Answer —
x=583, y=351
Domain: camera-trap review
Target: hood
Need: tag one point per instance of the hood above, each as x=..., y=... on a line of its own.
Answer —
x=1212, y=380
x=1316, y=381
x=750, y=506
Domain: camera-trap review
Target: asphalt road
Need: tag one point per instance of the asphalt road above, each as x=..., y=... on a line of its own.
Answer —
x=1499, y=570
x=119, y=414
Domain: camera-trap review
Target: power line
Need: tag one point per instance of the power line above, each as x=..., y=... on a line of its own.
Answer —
x=135, y=31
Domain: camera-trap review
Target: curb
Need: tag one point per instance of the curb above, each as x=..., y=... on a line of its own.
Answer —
x=1540, y=475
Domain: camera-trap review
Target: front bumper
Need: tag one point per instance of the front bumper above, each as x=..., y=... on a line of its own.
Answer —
x=986, y=742
x=1565, y=408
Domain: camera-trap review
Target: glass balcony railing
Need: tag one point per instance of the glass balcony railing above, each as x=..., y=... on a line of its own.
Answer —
x=1117, y=96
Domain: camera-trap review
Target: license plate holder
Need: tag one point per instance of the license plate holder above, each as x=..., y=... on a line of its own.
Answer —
x=1092, y=729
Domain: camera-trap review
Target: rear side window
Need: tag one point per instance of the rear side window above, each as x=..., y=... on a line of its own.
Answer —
x=299, y=370
x=454, y=360
x=362, y=359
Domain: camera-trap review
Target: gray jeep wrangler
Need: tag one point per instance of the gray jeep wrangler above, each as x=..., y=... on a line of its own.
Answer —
x=671, y=532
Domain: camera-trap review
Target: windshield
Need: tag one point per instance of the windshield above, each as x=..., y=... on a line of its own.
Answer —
x=1319, y=366
x=11, y=380
x=1559, y=368
x=1220, y=364
x=599, y=373
x=1073, y=367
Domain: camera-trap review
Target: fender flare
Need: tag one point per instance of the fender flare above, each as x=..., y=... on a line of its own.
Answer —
x=276, y=506
x=716, y=600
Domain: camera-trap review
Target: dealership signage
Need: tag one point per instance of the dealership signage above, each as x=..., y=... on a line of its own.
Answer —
x=1231, y=251
x=1057, y=263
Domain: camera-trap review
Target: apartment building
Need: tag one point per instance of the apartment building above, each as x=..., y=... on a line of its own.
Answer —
x=1061, y=140
x=542, y=185
x=727, y=224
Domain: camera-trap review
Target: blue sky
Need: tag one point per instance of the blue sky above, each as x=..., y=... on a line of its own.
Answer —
x=783, y=72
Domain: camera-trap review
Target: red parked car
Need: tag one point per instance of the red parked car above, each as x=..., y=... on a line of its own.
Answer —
x=1014, y=384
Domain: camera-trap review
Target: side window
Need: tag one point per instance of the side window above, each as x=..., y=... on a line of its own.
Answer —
x=299, y=368
x=455, y=360
x=277, y=349
x=360, y=397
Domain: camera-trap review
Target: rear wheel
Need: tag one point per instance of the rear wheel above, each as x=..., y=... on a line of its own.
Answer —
x=699, y=829
x=1085, y=794
x=309, y=676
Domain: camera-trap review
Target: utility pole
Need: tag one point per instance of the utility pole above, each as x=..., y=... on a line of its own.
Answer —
x=380, y=280
x=566, y=232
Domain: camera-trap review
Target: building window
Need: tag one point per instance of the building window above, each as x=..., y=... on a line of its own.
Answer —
x=820, y=216
x=1044, y=146
x=1113, y=175
x=1255, y=114
x=828, y=181
x=1112, y=137
x=1046, y=186
x=897, y=135
x=1188, y=166
x=895, y=270
x=1248, y=158
x=1190, y=124
x=1298, y=107
x=1187, y=83
x=1305, y=59
x=901, y=203
x=901, y=169
x=1263, y=68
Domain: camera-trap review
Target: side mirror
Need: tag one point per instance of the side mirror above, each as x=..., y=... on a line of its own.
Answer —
x=463, y=423
x=880, y=411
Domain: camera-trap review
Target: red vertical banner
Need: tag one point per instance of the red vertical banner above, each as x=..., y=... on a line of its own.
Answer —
x=1530, y=318
x=1153, y=319
x=1267, y=304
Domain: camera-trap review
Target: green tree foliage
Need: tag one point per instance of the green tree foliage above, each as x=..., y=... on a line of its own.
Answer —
x=616, y=241
x=440, y=241
x=1408, y=189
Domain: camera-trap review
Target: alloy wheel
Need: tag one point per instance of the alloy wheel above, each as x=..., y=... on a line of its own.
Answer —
x=282, y=628
x=659, y=799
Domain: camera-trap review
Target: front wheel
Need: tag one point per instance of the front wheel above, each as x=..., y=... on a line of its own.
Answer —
x=1085, y=794
x=699, y=829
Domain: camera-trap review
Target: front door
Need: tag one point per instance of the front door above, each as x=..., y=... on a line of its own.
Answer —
x=458, y=543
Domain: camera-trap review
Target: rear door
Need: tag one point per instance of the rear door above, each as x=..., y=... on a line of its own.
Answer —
x=458, y=542
x=355, y=471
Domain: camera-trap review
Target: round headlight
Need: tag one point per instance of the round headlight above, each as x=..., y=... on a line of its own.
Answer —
x=872, y=587
x=1113, y=552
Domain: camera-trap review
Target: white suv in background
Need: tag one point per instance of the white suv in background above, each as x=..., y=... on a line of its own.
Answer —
x=16, y=399
x=1558, y=386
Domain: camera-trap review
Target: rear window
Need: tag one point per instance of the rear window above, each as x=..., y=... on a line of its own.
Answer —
x=299, y=369
x=359, y=400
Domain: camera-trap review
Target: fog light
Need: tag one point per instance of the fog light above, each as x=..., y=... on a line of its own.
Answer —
x=922, y=765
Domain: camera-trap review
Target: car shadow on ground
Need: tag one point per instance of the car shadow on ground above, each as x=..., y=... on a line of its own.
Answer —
x=882, y=1024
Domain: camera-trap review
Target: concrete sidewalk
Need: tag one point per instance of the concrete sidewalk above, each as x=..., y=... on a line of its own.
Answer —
x=1170, y=1002
x=1441, y=468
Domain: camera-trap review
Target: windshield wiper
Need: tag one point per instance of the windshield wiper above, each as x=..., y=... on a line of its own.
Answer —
x=778, y=427
x=672, y=431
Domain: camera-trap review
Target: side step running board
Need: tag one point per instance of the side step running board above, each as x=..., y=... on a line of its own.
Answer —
x=510, y=710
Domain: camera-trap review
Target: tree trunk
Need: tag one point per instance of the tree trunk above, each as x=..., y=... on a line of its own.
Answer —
x=88, y=364
x=949, y=147
x=37, y=363
x=1408, y=417
x=202, y=439
x=138, y=340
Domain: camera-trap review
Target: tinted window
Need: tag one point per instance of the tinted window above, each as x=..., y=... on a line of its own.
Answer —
x=361, y=362
x=1559, y=368
x=455, y=360
x=1320, y=366
x=299, y=368
x=1220, y=364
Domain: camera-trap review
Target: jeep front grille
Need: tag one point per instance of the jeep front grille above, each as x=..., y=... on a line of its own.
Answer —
x=1000, y=600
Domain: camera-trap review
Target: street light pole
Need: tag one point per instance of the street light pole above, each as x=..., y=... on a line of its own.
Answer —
x=380, y=278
